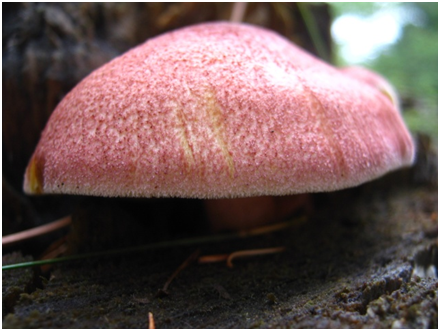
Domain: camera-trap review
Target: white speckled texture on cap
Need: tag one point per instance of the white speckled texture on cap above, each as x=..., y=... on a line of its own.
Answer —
x=217, y=110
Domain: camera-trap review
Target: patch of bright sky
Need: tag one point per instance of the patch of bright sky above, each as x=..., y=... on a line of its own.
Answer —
x=363, y=37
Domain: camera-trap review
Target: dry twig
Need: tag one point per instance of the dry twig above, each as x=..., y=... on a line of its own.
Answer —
x=229, y=257
x=187, y=262
x=151, y=321
x=238, y=11
x=36, y=232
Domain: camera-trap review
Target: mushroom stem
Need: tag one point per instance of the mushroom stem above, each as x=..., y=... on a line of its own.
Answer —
x=246, y=213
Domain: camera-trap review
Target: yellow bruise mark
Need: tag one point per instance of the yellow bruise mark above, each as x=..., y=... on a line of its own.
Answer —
x=390, y=94
x=34, y=175
x=184, y=141
x=216, y=118
x=318, y=109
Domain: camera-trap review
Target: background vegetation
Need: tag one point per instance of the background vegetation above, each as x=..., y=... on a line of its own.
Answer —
x=410, y=63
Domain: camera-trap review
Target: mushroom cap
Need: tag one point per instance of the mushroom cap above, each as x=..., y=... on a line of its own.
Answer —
x=373, y=79
x=218, y=110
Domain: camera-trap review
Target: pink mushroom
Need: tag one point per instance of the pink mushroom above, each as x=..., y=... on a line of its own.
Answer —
x=219, y=111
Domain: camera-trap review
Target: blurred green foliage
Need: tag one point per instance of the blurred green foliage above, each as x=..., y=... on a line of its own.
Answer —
x=410, y=64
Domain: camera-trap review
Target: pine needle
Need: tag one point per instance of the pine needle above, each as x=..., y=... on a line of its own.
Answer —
x=159, y=245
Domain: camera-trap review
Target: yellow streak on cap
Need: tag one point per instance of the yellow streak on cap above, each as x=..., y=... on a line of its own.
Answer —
x=34, y=177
